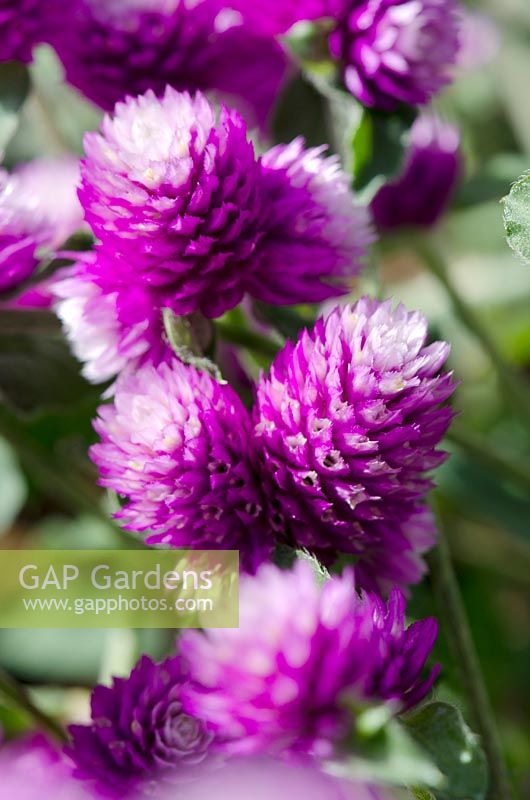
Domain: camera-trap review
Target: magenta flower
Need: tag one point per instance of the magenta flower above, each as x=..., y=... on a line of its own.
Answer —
x=139, y=739
x=189, y=219
x=39, y=210
x=177, y=445
x=424, y=189
x=318, y=236
x=347, y=424
x=114, y=49
x=396, y=51
x=110, y=323
x=282, y=681
x=176, y=194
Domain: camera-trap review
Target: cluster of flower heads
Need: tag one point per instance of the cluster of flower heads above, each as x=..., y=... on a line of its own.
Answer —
x=336, y=458
x=389, y=52
x=286, y=683
x=191, y=219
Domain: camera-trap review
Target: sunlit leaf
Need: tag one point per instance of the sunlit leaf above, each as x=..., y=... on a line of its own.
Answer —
x=442, y=732
x=517, y=217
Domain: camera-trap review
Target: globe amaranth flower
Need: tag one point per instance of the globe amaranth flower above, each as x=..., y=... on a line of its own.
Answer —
x=111, y=324
x=32, y=769
x=396, y=51
x=39, y=210
x=114, y=48
x=317, y=235
x=139, y=738
x=176, y=192
x=423, y=190
x=176, y=444
x=347, y=424
x=281, y=682
x=182, y=198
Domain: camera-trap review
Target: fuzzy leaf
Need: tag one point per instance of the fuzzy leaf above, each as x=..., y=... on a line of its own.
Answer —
x=517, y=217
x=440, y=729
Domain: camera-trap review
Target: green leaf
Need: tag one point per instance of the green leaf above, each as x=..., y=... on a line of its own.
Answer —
x=517, y=217
x=391, y=756
x=14, y=89
x=441, y=731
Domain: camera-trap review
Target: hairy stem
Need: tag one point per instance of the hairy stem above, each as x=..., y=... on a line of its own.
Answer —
x=452, y=610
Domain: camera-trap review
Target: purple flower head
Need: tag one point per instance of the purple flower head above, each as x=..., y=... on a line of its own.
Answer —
x=279, y=683
x=32, y=769
x=20, y=23
x=39, y=210
x=176, y=193
x=110, y=323
x=114, y=48
x=396, y=51
x=347, y=423
x=181, y=199
x=175, y=444
x=317, y=235
x=423, y=190
x=139, y=737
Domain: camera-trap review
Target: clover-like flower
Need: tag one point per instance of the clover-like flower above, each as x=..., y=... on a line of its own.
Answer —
x=288, y=679
x=177, y=445
x=347, y=423
x=396, y=51
x=139, y=738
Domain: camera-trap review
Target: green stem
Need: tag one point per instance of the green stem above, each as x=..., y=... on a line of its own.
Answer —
x=250, y=340
x=452, y=609
x=517, y=391
x=495, y=460
x=19, y=697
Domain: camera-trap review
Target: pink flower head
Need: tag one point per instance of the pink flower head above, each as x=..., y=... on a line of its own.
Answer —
x=177, y=445
x=347, y=423
x=281, y=682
